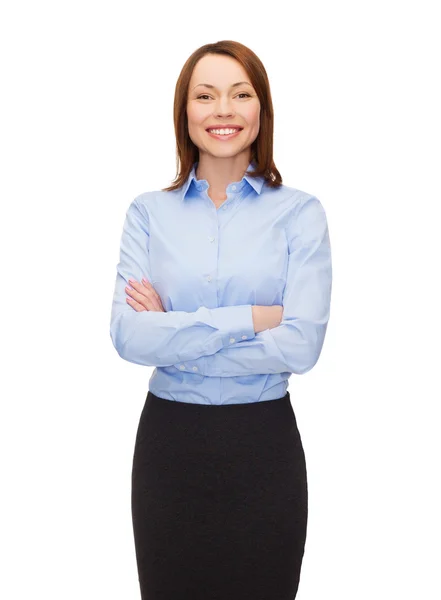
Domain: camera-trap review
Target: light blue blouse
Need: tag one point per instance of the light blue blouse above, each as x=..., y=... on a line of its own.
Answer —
x=210, y=265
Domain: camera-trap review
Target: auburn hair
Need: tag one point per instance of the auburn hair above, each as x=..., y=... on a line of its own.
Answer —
x=187, y=153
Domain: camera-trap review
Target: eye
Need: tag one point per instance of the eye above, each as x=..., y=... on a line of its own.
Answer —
x=207, y=96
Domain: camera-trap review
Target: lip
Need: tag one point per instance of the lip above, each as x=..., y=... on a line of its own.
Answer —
x=224, y=126
x=224, y=137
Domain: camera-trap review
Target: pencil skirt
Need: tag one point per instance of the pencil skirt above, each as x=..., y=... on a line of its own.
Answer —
x=219, y=500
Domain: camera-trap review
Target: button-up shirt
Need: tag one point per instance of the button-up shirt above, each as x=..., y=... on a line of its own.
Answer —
x=210, y=265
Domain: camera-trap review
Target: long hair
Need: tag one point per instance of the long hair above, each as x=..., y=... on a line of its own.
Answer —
x=187, y=153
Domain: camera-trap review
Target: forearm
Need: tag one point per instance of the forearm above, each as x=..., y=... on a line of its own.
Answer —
x=266, y=317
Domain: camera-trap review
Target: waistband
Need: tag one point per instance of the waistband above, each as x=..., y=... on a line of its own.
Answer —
x=258, y=406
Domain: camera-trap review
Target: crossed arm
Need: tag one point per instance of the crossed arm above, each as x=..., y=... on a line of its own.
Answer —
x=227, y=341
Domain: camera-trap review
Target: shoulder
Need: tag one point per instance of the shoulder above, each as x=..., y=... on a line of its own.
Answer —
x=302, y=201
x=288, y=193
x=157, y=202
x=149, y=199
x=293, y=199
x=293, y=195
x=304, y=215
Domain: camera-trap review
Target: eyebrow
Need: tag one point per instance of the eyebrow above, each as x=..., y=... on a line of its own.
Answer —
x=208, y=85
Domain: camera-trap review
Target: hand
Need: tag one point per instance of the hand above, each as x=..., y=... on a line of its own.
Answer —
x=144, y=297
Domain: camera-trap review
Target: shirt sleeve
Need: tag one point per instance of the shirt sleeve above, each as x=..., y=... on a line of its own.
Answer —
x=295, y=345
x=154, y=338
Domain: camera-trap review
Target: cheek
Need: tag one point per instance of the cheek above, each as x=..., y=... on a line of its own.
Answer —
x=196, y=115
x=253, y=116
x=190, y=116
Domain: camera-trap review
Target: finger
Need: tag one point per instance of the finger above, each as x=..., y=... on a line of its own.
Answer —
x=143, y=295
x=135, y=305
x=156, y=297
x=139, y=299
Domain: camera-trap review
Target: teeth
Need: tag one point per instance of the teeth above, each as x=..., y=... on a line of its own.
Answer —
x=223, y=131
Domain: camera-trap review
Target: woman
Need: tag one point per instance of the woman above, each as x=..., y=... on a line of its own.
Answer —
x=224, y=286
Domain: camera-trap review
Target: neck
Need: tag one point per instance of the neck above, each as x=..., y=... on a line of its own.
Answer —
x=220, y=172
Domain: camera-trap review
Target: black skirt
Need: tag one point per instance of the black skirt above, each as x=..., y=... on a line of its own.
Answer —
x=219, y=500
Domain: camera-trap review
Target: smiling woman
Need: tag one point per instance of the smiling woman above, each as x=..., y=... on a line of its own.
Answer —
x=211, y=105
x=235, y=298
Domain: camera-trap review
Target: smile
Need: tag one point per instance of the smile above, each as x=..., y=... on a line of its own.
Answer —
x=223, y=134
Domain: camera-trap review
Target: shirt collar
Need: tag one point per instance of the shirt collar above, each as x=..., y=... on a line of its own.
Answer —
x=201, y=184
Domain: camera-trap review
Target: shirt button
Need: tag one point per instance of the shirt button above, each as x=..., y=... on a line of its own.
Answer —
x=232, y=340
x=182, y=367
x=209, y=278
x=244, y=337
x=233, y=187
x=224, y=207
x=211, y=238
x=195, y=368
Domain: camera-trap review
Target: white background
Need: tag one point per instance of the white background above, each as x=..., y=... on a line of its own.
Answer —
x=86, y=111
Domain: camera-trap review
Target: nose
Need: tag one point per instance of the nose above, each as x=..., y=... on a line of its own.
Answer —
x=223, y=115
x=224, y=108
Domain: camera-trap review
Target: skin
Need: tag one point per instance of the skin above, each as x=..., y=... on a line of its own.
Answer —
x=220, y=162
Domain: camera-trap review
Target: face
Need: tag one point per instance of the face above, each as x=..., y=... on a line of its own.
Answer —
x=220, y=105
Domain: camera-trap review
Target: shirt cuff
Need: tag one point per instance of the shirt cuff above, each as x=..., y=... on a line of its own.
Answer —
x=235, y=323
